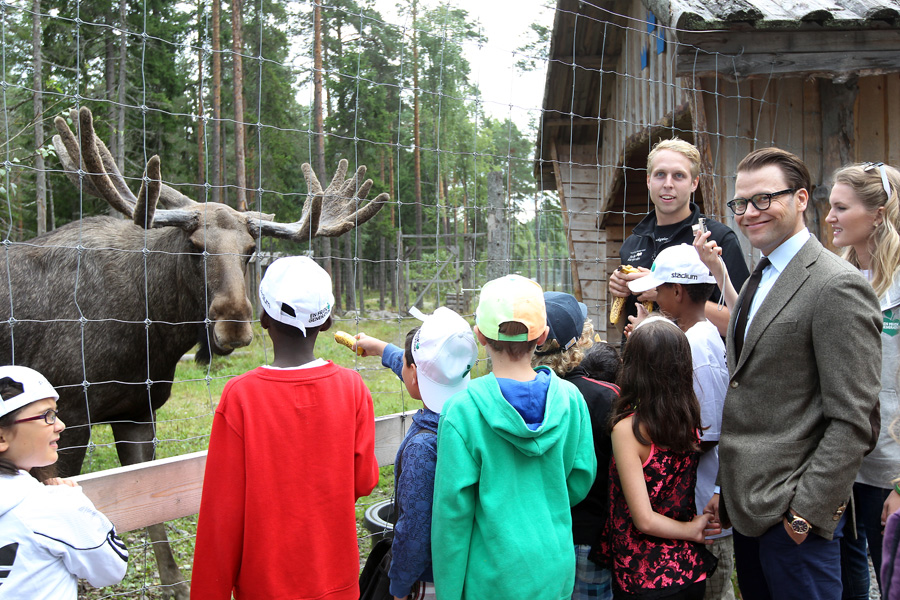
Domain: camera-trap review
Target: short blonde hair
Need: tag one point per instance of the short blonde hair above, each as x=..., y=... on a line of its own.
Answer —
x=686, y=149
x=563, y=362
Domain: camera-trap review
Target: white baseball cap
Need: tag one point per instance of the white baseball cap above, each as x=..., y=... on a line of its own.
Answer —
x=675, y=264
x=444, y=350
x=297, y=292
x=34, y=387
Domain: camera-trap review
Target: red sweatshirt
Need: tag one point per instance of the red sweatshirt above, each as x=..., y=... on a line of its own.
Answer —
x=290, y=452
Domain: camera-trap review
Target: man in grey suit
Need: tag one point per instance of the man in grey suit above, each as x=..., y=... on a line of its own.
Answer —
x=804, y=358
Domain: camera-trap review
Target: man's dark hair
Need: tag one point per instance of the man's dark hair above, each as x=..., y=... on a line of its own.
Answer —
x=516, y=350
x=795, y=170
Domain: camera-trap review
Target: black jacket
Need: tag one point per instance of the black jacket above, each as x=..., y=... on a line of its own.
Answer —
x=589, y=515
x=641, y=248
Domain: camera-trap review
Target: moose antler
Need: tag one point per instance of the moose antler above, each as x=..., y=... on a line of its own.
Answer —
x=103, y=179
x=330, y=212
x=341, y=210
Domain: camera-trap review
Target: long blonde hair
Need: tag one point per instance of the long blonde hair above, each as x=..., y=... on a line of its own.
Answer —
x=885, y=239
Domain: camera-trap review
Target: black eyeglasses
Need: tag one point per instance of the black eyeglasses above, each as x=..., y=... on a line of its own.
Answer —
x=49, y=417
x=759, y=201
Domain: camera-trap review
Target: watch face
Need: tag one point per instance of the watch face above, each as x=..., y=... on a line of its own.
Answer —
x=799, y=526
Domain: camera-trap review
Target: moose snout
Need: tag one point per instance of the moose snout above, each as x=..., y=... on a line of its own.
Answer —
x=231, y=328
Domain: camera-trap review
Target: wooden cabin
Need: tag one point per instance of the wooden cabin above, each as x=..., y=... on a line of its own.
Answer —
x=821, y=79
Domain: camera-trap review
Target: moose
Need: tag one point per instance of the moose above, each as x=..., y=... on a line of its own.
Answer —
x=105, y=307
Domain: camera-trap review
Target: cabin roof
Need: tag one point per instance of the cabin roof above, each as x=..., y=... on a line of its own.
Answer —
x=735, y=39
x=697, y=15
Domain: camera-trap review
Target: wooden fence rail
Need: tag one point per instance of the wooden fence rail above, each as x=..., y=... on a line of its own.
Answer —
x=161, y=490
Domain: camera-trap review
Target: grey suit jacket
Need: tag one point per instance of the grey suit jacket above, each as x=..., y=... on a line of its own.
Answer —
x=796, y=421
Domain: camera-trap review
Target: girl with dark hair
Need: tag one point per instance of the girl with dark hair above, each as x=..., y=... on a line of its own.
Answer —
x=653, y=538
x=50, y=535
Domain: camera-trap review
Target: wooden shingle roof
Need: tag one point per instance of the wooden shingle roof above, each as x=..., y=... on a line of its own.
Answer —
x=762, y=15
x=836, y=39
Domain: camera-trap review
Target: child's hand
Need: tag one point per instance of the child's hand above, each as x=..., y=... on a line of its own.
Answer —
x=713, y=527
x=699, y=527
x=60, y=481
x=891, y=504
x=636, y=320
x=368, y=345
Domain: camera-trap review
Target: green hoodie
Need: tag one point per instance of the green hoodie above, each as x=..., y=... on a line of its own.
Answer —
x=501, y=523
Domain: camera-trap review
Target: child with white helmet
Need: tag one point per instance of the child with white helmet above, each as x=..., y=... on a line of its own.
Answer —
x=50, y=535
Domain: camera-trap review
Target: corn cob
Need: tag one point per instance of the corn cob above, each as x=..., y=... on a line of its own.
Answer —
x=345, y=339
x=615, y=312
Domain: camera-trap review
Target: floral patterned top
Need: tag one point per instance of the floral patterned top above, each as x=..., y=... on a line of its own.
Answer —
x=645, y=566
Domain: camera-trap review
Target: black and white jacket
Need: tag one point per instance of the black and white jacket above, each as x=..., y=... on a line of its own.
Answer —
x=51, y=536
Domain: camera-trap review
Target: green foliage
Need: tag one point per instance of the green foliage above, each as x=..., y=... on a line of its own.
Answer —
x=368, y=79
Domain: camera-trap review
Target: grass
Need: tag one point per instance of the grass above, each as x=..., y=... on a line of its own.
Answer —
x=184, y=423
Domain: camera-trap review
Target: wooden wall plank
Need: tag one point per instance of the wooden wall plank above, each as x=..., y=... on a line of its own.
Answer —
x=871, y=120
x=136, y=496
x=789, y=124
x=562, y=170
x=892, y=130
x=581, y=190
x=780, y=64
x=812, y=129
x=735, y=134
x=153, y=492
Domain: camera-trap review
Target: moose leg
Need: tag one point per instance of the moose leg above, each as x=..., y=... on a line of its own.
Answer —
x=138, y=447
x=72, y=448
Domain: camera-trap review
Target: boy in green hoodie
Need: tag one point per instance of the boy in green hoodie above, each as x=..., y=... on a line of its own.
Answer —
x=515, y=453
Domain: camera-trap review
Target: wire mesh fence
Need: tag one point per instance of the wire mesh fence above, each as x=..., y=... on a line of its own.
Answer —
x=106, y=296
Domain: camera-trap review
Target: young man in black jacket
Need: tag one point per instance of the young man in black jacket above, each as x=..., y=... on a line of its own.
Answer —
x=673, y=173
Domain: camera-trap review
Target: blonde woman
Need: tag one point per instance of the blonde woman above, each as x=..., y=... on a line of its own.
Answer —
x=865, y=220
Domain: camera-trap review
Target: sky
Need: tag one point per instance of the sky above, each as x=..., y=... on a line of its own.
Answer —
x=506, y=92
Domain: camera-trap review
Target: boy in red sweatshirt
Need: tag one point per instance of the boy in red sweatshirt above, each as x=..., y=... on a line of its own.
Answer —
x=292, y=448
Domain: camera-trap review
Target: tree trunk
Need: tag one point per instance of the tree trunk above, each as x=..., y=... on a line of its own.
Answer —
x=350, y=275
x=416, y=139
x=201, y=124
x=237, y=46
x=51, y=206
x=319, y=126
x=123, y=79
x=497, y=233
x=40, y=183
x=216, y=150
x=391, y=185
x=382, y=280
x=109, y=68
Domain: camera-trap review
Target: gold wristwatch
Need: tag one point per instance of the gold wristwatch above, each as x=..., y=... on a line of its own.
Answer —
x=798, y=524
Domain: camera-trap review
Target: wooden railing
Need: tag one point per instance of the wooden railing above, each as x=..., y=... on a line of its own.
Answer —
x=161, y=490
